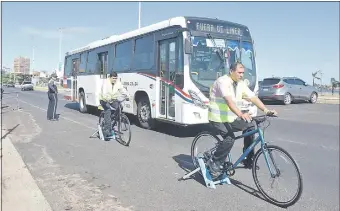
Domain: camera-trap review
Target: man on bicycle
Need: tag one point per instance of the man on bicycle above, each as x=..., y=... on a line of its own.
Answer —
x=112, y=89
x=226, y=96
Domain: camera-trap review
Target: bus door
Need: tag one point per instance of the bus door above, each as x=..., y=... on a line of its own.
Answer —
x=103, y=64
x=74, y=86
x=167, y=60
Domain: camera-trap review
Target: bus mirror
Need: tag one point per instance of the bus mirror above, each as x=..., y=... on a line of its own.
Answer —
x=188, y=46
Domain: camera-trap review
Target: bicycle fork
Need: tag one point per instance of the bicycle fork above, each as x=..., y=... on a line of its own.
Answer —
x=268, y=156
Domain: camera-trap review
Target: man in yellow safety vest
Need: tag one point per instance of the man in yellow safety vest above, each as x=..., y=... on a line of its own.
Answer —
x=226, y=96
x=112, y=89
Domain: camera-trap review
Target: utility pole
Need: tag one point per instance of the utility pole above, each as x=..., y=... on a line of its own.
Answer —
x=139, y=13
x=32, y=60
x=32, y=66
x=60, y=42
x=321, y=73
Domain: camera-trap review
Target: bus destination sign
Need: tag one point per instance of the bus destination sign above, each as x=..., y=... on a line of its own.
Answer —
x=213, y=27
x=218, y=28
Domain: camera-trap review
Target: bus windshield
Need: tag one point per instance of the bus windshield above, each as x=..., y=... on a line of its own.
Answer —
x=206, y=65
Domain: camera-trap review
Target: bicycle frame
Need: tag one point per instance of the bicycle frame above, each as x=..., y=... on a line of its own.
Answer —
x=259, y=139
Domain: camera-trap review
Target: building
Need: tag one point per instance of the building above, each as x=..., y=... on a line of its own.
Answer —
x=21, y=66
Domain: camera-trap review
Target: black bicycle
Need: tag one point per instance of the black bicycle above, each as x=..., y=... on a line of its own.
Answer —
x=120, y=122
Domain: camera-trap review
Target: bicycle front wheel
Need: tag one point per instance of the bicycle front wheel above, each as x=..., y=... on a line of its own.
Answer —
x=275, y=164
x=122, y=130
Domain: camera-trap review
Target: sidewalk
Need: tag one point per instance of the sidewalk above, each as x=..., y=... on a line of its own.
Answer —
x=19, y=190
x=329, y=98
x=41, y=88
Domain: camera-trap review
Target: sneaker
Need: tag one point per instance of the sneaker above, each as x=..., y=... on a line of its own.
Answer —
x=214, y=168
x=112, y=136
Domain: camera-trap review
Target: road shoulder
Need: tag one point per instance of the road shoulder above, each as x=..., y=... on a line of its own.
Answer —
x=19, y=189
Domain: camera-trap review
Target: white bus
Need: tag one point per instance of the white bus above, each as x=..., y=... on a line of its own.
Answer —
x=158, y=64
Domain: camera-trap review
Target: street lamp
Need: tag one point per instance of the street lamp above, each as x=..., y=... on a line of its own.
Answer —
x=60, y=41
x=139, y=13
x=32, y=66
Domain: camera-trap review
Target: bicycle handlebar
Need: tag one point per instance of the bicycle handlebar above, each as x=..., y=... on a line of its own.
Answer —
x=262, y=118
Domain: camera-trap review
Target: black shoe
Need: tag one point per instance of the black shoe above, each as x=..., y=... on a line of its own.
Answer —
x=248, y=163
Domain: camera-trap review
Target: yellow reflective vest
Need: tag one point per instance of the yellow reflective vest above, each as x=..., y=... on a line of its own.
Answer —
x=219, y=111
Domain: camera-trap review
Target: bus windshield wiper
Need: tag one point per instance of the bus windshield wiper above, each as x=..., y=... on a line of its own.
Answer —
x=218, y=49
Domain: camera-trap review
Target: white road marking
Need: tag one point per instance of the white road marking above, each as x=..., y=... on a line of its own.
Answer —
x=68, y=119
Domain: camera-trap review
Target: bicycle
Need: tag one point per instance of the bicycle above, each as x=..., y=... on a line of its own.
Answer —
x=265, y=150
x=118, y=118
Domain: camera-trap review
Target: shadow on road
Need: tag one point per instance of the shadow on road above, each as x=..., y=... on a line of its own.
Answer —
x=9, y=131
x=161, y=127
x=73, y=106
x=91, y=109
x=281, y=103
x=181, y=131
x=251, y=191
x=185, y=163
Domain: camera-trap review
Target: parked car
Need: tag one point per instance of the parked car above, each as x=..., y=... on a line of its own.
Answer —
x=26, y=85
x=287, y=90
x=10, y=84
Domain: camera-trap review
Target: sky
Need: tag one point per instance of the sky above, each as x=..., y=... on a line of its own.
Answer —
x=291, y=38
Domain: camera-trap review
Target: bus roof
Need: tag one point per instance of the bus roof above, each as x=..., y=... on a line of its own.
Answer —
x=180, y=21
x=115, y=38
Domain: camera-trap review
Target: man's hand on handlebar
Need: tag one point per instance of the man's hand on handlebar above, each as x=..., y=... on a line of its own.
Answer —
x=270, y=112
x=246, y=117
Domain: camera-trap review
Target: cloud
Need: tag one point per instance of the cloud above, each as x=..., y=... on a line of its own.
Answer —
x=54, y=34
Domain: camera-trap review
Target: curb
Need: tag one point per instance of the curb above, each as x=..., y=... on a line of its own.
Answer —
x=41, y=89
x=19, y=189
x=329, y=101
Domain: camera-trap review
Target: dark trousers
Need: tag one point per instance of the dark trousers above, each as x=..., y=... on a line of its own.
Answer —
x=52, y=105
x=107, y=122
x=227, y=132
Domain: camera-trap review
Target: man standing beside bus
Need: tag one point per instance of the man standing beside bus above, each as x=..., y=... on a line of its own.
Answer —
x=226, y=96
x=52, y=100
x=112, y=89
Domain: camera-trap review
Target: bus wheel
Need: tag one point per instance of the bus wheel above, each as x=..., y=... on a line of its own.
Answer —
x=144, y=114
x=82, y=103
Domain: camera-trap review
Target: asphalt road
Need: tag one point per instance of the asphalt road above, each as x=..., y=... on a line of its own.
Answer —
x=76, y=172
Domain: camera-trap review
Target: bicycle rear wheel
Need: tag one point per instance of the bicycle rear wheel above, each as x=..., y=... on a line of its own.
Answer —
x=204, y=144
x=273, y=155
x=122, y=127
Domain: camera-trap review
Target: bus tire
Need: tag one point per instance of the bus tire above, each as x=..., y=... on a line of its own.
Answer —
x=82, y=103
x=145, y=120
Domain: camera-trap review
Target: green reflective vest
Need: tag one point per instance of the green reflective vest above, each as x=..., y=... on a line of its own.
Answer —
x=219, y=111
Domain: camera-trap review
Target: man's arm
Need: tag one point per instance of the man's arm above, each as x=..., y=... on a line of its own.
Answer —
x=254, y=99
x=232, y=106
x=123, y=90
x=50, y=86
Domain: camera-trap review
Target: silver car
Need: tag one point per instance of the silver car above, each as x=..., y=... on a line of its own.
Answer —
x=26, y=85
x=287, y=90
